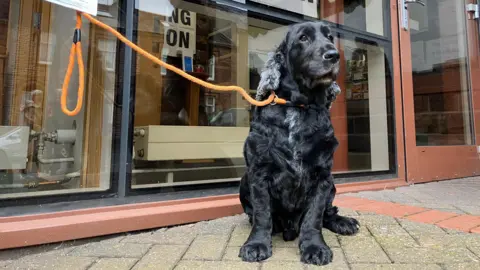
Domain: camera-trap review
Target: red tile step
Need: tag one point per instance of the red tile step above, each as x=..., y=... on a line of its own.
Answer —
x=466, y=223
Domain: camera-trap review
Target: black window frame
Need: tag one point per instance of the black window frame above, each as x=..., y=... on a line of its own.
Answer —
x=120, y=191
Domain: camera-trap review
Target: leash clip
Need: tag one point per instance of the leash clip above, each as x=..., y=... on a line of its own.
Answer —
x=273, y=102
x=77, y=35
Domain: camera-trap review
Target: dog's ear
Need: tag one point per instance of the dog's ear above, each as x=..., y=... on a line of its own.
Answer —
x=332, y=92
x=271, y=73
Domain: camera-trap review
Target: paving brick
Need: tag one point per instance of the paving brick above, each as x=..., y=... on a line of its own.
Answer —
x=126, y=250
x=449, y=240
x=182, y=235
x=114, y=264
x=275, y=265
x=161, y=257
x=375, y=219
x=52, y=262
x=431, y=217
x=430, y=255
x=395, y=267
x=392, y=236
x=462, y=266
x=209, y=265
x=416, y=228
x=239, y=236
x=207, y=247
x=285, y=254
x=5, y=263
x=231, y=254
x=330, y=238
x=218, y=226
x=390, y=209
x=462, y=223
x=350, y=202
x=277, y=241
x=475, y=250
x=363, y=250
x=338, y=263
x=347, y=212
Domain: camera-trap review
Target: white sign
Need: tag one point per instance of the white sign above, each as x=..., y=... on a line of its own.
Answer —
x=87, y=6
x=180, y=33
x=304, y=7
x=160, y=7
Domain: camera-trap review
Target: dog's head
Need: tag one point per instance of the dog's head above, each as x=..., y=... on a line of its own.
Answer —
x=306, y=59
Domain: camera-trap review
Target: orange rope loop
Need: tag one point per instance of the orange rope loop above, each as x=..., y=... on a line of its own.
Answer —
x=77, y=49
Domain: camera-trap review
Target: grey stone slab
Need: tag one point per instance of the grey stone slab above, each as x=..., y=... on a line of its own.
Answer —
x=54, y=250
x=277, y=241
x=395, y=267
x=112, y=250
x=182, y=235
x=114, y=264
x=207, y=247
x=397, y=197
x=52, y=262
x=161, y=257
x=470, y=209
x=339, y=262
x=363, y=250
x=430, y=255
x=216, y=265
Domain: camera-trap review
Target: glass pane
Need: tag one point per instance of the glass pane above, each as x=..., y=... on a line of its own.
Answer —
x=364, y=15
x=187, y=135
x=440, y=73
x=42, y=150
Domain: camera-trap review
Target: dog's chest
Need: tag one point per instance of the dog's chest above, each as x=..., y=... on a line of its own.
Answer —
x=310, y=135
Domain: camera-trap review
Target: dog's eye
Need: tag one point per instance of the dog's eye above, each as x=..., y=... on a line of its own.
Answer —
x=303, y=38
x=330, y=37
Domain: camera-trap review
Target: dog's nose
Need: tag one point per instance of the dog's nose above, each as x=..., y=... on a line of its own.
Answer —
x=331, y=55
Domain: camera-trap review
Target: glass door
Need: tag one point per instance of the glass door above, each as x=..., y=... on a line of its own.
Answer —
x=439, y=54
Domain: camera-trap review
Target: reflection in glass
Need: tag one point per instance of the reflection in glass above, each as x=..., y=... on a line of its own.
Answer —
x=440, y=73
x=43, y=151
x=188, y=135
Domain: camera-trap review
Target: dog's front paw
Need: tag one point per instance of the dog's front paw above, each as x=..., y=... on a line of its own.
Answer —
x=317, y=254
x=342, y=225
x=255, y=252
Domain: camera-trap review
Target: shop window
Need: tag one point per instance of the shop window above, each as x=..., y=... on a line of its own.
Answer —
x=44, y=152
x=363, y=15
x=188, y=135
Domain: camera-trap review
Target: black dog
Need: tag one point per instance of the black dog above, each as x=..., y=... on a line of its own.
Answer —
x=288, y=186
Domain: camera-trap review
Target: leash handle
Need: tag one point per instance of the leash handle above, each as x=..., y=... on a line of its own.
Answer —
x=76, y=49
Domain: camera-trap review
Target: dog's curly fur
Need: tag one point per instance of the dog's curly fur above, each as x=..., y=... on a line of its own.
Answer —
x=288, y=185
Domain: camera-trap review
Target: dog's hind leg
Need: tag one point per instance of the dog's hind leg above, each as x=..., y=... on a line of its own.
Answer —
x=336, y=223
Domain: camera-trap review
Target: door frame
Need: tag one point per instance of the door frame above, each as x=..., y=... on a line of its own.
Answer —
x=433, y=163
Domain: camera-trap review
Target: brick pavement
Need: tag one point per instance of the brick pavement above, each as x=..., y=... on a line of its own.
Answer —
x=384, y=242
